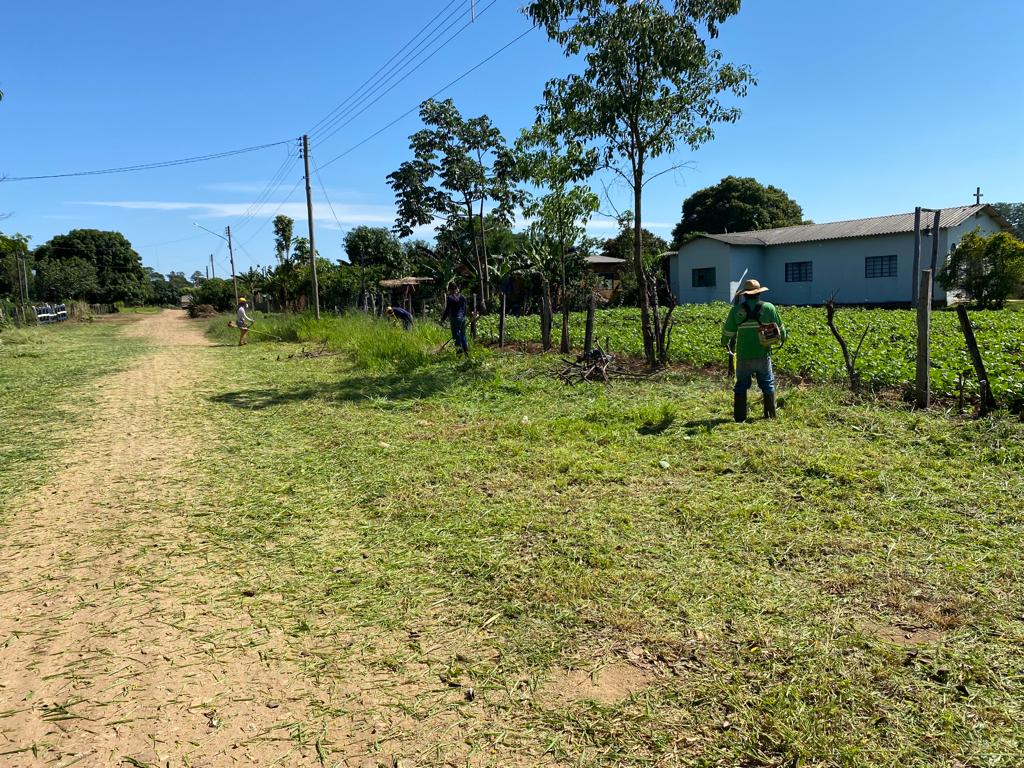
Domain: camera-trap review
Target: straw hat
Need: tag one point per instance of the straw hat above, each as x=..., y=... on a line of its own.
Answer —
x=242, y=300
x=751, y=288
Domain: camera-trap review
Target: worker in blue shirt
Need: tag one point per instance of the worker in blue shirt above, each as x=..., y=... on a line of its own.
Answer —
x=455, y=314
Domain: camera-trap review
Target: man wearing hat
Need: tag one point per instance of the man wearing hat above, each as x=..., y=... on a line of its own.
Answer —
x=242, y=321
x=752, y=328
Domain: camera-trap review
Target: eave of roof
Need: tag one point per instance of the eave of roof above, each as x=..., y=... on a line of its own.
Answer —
x=879, y=225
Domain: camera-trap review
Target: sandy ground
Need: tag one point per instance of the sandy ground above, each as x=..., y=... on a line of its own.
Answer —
x=113, y=648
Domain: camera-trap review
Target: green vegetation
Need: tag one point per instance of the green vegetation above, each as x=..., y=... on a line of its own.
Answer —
x=886, y=360
x=834, y=588
x=47, y=377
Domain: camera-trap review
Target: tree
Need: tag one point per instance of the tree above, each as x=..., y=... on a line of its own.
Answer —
x=375, y=247
x=458, y=165
x=621, y=247
x=118, y=267
x=650, y=82
x=987, y=268
x=284, y=274
x=12, y=249
x=1014, y=214
x=561, y=213
x=736, y=204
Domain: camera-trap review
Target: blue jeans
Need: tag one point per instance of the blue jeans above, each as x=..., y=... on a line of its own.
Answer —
x=459, y=333
x=761, y=367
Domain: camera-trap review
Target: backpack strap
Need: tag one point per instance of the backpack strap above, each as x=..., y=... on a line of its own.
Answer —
x=756, y=314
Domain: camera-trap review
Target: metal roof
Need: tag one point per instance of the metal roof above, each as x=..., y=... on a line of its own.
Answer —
x=879, y=225
x=605, y=260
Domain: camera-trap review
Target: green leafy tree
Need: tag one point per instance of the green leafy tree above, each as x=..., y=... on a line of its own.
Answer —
x=561, y=211
x=1014, y=214
x=650, y=83
x=458, y=166
x=217, y=292
x=285, y=273
x=736, y=204
x=13, y=248
x=621, y=247
x=378, y=250
x=987, y=268
x=119, y=272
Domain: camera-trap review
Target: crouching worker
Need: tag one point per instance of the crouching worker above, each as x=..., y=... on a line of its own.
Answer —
x=751, y=330
x=243, y=321
x=455, y=313
x=400, y=314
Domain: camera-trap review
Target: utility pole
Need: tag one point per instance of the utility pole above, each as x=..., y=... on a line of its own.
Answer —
x=207, y=272
x=231, y=255
x=212, y=270
x=309, y=216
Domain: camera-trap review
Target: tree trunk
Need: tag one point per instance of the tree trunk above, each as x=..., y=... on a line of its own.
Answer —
x=501, y=320
x=476, y=246
x=545, y=316
x=564, y=347
x=588, y=338
x=640, y=271
x=485, y=282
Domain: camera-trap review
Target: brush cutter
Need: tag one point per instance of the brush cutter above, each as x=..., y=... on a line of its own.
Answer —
x=233, y=324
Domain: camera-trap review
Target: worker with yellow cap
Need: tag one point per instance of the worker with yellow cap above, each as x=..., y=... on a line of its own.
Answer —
x=751, y=330
x=242, y=320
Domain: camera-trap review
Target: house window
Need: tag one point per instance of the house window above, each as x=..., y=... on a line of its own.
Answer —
x=606, y=280
x=880, y=266
x=704, y=277
x=799, y=271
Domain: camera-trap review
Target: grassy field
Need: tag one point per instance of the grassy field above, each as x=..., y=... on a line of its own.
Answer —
x=887, y=358
x=47, y=381
x=840, y=587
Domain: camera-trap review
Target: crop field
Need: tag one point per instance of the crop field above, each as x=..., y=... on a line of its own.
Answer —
x=376, y=554
x=886, y=360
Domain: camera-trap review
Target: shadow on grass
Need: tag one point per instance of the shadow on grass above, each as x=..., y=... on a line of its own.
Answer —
x=705, y=424
x=419, y=384
x=657, y=427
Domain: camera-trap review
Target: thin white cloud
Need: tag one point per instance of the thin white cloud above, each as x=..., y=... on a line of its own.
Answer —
x=348, y=215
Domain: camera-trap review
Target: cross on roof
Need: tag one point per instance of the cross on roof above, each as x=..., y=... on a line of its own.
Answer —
x=978, y=196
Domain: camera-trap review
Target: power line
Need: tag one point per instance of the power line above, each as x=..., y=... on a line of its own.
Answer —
x=336, y=124
x=440, y=90
x=316, y=128
x=274, y=214
x=328, y=199
x=148, y=166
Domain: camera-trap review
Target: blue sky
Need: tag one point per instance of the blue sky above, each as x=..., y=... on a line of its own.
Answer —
x=862, y=109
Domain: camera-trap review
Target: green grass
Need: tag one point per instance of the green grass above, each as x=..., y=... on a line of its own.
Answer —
x=481, y=513
x=48, y=382
x=887, y=359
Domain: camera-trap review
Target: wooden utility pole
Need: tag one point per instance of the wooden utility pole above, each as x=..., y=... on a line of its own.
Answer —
x=309, y=217
x=213, y=271
x=935, y=241
x=231, y=256
x=915, y=272
x=988, y=400
x=924, y=319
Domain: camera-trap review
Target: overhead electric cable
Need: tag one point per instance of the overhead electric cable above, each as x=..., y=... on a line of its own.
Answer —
x=340, y=121
x=439, y=91
x=326, y=197
x=148, y=166
x=280, y=205
x=316, y=128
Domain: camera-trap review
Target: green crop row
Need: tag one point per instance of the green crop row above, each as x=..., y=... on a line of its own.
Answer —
x=887, y=358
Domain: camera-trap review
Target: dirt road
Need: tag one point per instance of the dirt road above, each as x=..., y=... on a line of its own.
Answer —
x=114, y=649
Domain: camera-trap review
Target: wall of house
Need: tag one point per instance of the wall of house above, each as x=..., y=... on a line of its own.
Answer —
x=728, y=261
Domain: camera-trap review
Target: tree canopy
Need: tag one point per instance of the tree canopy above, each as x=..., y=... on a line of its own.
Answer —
x=1014, y=214
x=736, y=204
x=375, y=247
x=650, y=83
x=119, y=275
x=987, y=268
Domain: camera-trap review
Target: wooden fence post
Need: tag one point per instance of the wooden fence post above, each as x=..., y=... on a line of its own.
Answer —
x=588, y=336
x=501, y=320
x=472, y=320
x=988, y=400
x=924, y=319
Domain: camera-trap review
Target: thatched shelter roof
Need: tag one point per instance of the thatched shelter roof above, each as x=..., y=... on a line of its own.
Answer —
x=405, y=281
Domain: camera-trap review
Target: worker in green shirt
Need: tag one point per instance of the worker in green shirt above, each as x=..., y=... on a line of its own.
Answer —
x=752, y=328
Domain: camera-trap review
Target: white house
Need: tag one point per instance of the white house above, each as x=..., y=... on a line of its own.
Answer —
x=864, y=261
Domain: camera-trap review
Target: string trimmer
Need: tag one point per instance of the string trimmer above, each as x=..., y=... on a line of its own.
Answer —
x=233, y=324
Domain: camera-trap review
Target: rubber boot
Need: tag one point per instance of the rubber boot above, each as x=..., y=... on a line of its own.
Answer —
x=739, y=406
x=769, y=406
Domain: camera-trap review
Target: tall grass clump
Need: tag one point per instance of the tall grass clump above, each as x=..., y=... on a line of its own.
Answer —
x=369, y=342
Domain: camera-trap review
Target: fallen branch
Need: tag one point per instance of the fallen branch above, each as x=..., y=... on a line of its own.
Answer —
x=850, y=360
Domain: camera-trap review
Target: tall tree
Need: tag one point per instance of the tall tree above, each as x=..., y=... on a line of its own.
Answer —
x=736, y=204
x=650, y=82
x=12, y=249
x=284, y=275
x=458, y=166
x=562, y=210
x=1014, y=214
x=118, y=268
